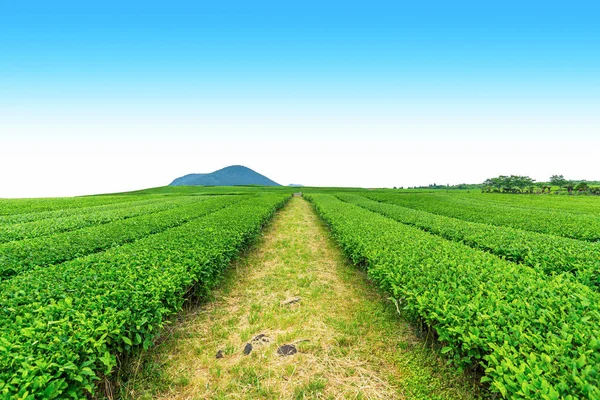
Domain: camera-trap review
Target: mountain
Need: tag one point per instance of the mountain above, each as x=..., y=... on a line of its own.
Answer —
x=234, y=175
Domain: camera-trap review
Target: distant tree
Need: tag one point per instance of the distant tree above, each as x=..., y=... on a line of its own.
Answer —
x=569, y=185
x=558, y=180
x=545, y=186
x=493, y=183
x=509, y=184
x=582, y=186
x=521, y=182
x=506, y=183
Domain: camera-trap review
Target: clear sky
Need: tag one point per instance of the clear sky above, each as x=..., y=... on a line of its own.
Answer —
x=119, y=95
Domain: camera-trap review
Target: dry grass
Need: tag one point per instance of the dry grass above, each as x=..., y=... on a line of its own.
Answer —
x=351, y=343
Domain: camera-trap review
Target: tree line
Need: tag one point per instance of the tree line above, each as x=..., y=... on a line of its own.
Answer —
x=525, y=184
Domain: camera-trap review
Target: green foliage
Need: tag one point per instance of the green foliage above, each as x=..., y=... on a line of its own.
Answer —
x=547, y=253
x=510, y=183
x=63, y=327
x=554, y=222
x=558, y=180
x=13, y=207
x=23, y=217
x=536, y=336
x=85, y=218
x=562, y=204
x=17, y=257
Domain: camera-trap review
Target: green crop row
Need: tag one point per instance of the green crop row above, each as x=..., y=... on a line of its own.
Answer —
x=20, y=206
x=551, y=205
x=576, y=226
x=45, y=227
x=535, y=336
x=550, y=254
x=569, y=204
x=67, y=212
x=62, y=327
x=18, y=257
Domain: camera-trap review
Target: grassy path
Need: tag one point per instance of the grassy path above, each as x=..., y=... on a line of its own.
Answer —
x=351, y=342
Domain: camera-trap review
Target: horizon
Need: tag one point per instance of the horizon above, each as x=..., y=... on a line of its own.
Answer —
x=299, y=185
x=111, y=97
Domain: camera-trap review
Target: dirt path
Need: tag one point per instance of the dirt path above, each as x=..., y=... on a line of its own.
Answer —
x=350, y=341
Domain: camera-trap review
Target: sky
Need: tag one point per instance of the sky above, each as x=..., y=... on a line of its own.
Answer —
x=99, y=97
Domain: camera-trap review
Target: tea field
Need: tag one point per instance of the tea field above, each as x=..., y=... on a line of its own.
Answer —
x=510, y=287
x=506, y=285
x=85, y=282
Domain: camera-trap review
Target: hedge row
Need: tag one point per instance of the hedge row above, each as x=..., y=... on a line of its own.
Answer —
x=67, y=212
x=45, y=227
x=570, y=204
x=550, y=254
x=553, y=222
x=24, y=255
x=26, y=206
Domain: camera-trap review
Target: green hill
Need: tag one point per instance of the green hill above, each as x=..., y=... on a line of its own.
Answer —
x=234, y=175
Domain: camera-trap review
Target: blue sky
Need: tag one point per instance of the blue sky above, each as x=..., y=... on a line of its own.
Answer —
x=210, y=73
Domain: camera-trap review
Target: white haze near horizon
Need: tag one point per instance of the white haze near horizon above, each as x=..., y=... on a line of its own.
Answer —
x=81, y=152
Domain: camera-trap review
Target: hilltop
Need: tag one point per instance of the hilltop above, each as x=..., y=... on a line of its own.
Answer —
x=234, y=175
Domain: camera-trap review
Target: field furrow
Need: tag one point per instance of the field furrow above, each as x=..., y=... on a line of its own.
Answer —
x=351, y=342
